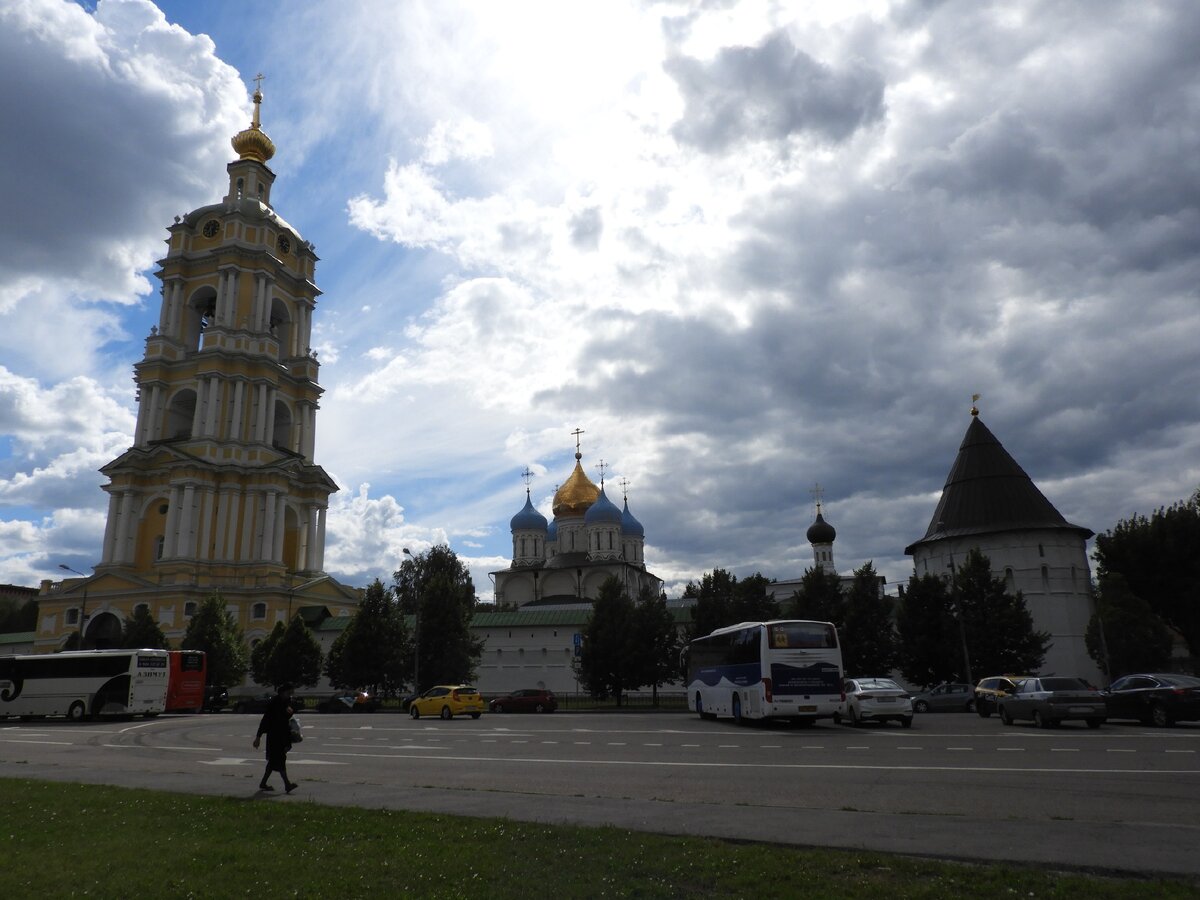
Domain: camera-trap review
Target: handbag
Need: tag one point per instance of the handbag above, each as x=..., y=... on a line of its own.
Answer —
x=294, y=730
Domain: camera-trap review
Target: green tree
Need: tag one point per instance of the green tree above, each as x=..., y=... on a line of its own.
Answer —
x=261, y=655
x=608, y=661
x=296, y=659
x=819, y=598
x=1159, y=561
x=658, y=642
x=929, y=649
x=375, y=649
x=998, y=625
x=868, y=637
x=214, y=630
x=141, y=630
x=437, y=588
x=751, y=602
x=714, y=602
x=16, y=616
x=1135, y=638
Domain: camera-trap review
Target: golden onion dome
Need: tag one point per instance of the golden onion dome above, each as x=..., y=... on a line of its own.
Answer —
x=576, y=494
x=253, y=143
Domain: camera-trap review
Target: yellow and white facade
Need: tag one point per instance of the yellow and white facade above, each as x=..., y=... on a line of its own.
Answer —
x=220, y=491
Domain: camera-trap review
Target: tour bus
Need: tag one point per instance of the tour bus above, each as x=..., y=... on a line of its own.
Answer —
x=786, y=669
x=84, y=683
x=185, y=684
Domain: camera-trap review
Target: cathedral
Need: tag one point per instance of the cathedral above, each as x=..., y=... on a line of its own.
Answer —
x=219, y=492
x=562, y=563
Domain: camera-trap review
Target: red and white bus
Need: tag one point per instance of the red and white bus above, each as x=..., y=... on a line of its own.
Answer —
x=83, y=683
x=185, y=687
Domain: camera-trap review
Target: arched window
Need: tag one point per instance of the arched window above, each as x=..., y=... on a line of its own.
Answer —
x=73, y=616
x=141, y=606
x=1041, y=550
x=1045, y=579
x=281, y=431
x=198, y=315
x=241, y=185
x=180, y=413
x=259, y=611
x=189, y=608
x=159, y=543
x=1010, y=583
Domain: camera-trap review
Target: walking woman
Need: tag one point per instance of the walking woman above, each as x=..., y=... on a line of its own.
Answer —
x=274, y=725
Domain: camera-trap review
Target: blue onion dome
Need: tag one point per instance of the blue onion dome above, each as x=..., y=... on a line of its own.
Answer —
x=528, y=518
x=820, y=531
x=552, y=533
x=630, y=525
x=603, y=511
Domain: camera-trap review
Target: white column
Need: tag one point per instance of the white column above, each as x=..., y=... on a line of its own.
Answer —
x=280, y=521
x=235, y=421
x=148, y=414
x=126, y=529
x=171, y=538
x=206, y=515
x=214, y=392
x=310, y=538
x=139, y=430
x=266, y=549
x=197, y=417
x=110, y=528
x=260, y=423
x=249, y=507
x=231, y=299
x=320, y=566
x=269, y=435
x=187, y=523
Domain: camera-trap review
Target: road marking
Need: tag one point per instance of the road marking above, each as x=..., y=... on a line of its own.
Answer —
x=227, y=761
x=1181, y=751
x=651, y=745
x=1121, y=750
x=549, y=742
x=858, y=748
x=760, y=746
x=1064, y=749
x=961, y=748
x=812, y=746
x=56, y=743
x=789, y=766
x=689, y=745
x=616, y=743
x=583, y=743
x=1011, y=749
x=727, y=746
x=909, y=748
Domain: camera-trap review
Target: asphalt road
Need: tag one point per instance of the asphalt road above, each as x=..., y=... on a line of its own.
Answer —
x=1124, y=797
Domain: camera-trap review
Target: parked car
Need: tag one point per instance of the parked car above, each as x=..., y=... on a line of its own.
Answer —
x=349, y=701
x=256, y=704
x=448, y=701
x=528, y=700
x=216, y=698
x=1159, y=699
x=945, y=697
x=989, y=691
x=875, y=699
x=1048, y=701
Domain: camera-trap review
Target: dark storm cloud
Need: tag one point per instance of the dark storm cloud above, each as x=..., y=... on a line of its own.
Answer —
x=770, y=92
x=1035, y=237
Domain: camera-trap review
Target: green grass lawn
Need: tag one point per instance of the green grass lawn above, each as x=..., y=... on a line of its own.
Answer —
x=64, y=840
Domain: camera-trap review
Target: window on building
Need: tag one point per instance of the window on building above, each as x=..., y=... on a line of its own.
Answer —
x=189, y=608
x=73, y=616
x=259, y=611
x=1010, y=583
x=1045, y=579
x=159, y=543
x=141, y=606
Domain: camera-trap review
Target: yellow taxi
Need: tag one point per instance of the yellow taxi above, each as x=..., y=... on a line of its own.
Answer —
x=990, y=691
x=448, y=701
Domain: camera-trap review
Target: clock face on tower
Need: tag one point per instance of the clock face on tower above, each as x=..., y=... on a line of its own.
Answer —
x=211, y=227
x=284, y=244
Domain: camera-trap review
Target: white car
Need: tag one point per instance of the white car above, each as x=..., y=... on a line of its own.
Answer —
x=875, y=700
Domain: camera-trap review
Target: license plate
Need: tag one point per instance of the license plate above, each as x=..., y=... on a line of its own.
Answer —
x=887, y=699
x=1084, y=710
x=806, y=709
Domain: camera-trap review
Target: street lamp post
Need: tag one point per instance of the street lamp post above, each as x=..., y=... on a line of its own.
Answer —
x=416, y=630
x=83, y=610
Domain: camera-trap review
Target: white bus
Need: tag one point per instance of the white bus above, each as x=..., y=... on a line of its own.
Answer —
x=785, y=669
x=84, y=683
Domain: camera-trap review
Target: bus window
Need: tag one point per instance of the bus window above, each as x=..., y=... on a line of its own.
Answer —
x=802, y=636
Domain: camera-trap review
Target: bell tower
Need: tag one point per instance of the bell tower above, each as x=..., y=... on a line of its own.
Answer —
x=220, y=491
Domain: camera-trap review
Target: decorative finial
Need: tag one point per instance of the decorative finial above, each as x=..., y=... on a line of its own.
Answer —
x=625, y=489
x=601, y=466
x=527, y=476
x=817, y=492
x=253, y=143
x=577, y=432
x=974, y=400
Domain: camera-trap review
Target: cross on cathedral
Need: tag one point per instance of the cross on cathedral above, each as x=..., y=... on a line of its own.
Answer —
x=527, y=476
x=601, y=466
x=625, y=489
x=817, y=493
x=258, y=80
x=577, y=432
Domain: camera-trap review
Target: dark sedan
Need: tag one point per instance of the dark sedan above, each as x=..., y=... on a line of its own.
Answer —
x=1159, y=699
x=256, y=704
x=531, y=700
x=1051, y=700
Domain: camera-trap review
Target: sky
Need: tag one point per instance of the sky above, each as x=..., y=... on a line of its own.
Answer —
x=746, y=247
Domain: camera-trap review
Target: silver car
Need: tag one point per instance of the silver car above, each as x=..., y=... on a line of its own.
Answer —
x=875, y=700
x=1048, y=701
x=945, y=697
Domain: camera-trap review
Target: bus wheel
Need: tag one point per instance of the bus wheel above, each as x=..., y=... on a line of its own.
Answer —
x=737, y=710
x=75, y=713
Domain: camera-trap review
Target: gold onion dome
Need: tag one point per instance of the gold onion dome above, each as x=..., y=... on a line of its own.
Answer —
x=253, y=143
x=576, y=494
